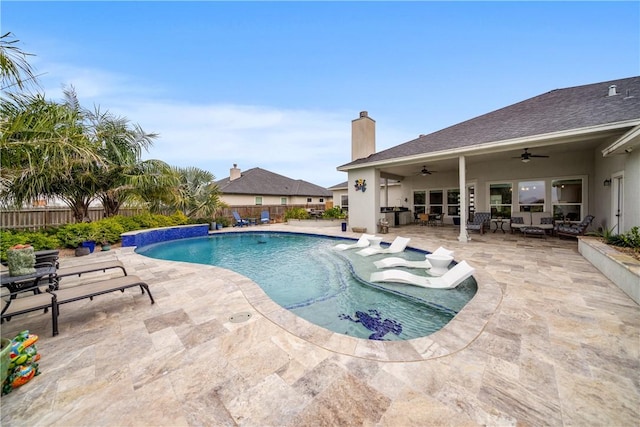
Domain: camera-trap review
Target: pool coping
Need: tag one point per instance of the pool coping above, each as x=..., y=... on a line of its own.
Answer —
x=455, y=336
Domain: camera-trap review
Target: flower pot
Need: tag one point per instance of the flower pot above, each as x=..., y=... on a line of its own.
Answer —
x=106, y=247
x=89, y=244
x=5, y=360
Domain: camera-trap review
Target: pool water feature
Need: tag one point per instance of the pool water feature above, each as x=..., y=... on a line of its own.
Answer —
x=303, y=274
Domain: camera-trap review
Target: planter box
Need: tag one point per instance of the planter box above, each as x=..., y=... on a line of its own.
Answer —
x=621, y=269
x=315, y=222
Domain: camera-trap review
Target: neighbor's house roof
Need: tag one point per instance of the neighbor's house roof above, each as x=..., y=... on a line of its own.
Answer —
x=579, y=109
x=264, y=183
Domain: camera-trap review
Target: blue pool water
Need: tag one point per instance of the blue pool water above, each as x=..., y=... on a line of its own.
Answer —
x=329, y=288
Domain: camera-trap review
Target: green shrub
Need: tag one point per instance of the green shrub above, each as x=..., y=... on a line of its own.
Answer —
x=631, y=239
x=71, y=235
x=296, y=213
x=38, y=240
x=106, y=231
x=223, y=220
x=334, y=213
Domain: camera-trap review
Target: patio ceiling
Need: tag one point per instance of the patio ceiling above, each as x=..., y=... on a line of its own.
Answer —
x=448, y=161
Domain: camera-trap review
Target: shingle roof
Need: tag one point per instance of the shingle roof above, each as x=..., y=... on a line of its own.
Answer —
x=262, y=182
x=555, y=111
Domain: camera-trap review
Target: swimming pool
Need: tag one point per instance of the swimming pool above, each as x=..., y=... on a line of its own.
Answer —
x=303, y=274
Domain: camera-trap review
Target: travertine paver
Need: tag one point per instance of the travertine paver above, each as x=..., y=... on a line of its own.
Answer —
x=548, y=340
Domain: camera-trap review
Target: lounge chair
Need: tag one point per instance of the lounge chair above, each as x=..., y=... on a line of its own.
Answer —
x=481, y=221
x=53, y=299
x=449, y=280
x=264, y=217
x=239, y=221
x=90, y=290
x=401, y=262
x=397, y=246
x=89, y=268
x=362, y=242
x=27, y=303
x=79, y=270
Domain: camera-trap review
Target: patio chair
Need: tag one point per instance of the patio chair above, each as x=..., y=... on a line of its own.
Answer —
x=239, y=221
x=574, y=230
x=398, y=245
x=481, y=221
x=264, y=217
x=449, y=280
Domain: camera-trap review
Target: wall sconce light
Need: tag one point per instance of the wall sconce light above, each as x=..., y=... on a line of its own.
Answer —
x=406, y=200
x=607, y=183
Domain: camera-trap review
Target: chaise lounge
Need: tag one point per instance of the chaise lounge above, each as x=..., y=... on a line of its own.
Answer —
x=397, y=246
x=401, y=262
x=54, y=299
x=362, y=242
x=449, y=280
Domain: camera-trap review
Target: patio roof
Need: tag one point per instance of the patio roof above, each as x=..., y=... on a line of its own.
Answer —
x=557, y=114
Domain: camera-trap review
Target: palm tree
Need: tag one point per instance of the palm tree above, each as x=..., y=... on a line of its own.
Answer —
x=197, y=194
x=43, y=152
x=14, y=67
x=120, y=145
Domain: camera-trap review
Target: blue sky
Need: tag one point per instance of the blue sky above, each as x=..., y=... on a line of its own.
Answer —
x=275, y=85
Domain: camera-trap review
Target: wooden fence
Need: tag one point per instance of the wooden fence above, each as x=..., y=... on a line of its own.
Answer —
x=38, y=218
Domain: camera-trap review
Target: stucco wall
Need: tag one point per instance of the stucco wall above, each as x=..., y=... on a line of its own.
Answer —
x=244, y=200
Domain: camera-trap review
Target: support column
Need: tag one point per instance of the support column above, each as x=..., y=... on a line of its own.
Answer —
x=462, y=170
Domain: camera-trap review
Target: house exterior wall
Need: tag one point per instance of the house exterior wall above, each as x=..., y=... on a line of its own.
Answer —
x=246, y=199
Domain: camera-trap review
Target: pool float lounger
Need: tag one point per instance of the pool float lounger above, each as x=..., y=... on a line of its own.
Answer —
x=401, y=262
x=398, y=245
x=363, y=242
x=449, y=280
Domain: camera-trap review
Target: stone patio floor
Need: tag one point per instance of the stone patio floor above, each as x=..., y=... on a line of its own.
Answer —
x=548, y=340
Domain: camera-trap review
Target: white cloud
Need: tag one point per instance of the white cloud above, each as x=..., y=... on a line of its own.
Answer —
x=296, y=142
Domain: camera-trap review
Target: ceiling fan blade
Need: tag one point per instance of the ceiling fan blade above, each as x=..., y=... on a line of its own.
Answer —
x=537, y=155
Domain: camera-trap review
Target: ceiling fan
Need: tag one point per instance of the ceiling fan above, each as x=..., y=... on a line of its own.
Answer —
x=526, y=156
x=425, y=171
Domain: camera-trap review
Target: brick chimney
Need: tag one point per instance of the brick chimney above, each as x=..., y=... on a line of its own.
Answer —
x=363, y=136
x=234, y=173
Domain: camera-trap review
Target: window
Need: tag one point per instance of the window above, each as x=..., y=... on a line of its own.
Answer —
x=283, y=200
x=309, y=200
x=435, y=201
x=500, y=200
x=321, y=200
x=258, y=200
x=531, y=196
x=344, y=202
x=419, y=202
x=566, y=199
x=453, y=202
